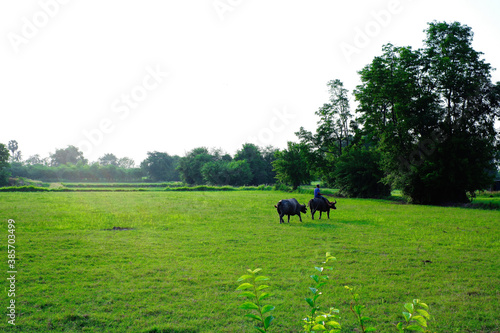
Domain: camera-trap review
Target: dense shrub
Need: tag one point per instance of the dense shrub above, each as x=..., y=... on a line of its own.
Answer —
x=358, y=174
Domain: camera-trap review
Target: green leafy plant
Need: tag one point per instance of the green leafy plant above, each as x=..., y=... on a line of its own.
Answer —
x=317, y=320
x=357, y=308
x=416, y=315
x=256, y=295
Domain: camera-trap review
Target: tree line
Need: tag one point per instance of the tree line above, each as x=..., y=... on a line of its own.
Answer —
x=251, y=165
x=424, y=123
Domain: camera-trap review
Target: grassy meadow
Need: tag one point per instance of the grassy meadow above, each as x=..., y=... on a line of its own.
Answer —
x=173, y=268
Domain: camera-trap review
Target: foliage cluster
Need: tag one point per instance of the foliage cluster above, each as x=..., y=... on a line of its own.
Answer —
x=426, y=125
x=251, y=165
x=4, y=165
x=416, y=315
x=76, y=172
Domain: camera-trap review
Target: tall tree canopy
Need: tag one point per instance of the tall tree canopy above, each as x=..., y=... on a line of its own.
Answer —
x=292, y=165
x=70, y=154
x=333, y=134
x=261, y=173
x=432, y=112
x=15, y=153
x=4, y=165
x=161, y=166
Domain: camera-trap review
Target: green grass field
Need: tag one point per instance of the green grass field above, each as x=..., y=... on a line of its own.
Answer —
x=175, y=270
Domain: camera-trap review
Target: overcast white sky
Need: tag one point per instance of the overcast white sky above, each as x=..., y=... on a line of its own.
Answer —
x=128, y=77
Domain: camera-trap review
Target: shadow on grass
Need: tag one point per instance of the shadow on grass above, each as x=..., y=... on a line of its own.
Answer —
x=321, y=225
x=333, y=224
x=170, y=330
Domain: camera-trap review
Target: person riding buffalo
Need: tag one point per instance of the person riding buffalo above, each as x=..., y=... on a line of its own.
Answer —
x=318, y=194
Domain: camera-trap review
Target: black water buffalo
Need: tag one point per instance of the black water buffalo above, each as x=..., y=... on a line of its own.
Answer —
x=290, y=207
x=321, y=205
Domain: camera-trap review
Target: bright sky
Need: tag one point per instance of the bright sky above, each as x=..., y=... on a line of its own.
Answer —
x=128, y=77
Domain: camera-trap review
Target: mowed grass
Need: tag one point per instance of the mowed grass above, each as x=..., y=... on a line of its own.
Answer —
x=176, y=270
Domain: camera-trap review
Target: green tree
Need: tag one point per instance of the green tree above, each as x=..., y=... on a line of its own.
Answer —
x=358, y=174
x=292, y=165
x=15, y=154
x=432, y=113
x=333, y=134
x=268, y=153
x=108, y=159
x=223, y=172
x=253, y=155
x=36, y=160
x=128, y=163
x=70, y=154
x=4, y=165
x=190, y=165
x=160, y=167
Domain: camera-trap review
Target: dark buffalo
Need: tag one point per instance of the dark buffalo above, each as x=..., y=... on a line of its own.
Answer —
x=321, y=205
x=290, y=207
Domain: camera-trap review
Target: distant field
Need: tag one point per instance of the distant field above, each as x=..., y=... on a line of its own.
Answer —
x=175, y=267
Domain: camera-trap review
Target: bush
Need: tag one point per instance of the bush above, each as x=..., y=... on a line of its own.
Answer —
x=358, y=174
x=30, y=188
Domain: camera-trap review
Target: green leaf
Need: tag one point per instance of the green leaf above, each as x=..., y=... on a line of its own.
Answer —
x=261, y=278
x=267, y=308
x=407, y=316
x=399, y=326
x=245, y=286
x=320, y=318
x=319, y=327
x=319, y=285
x=259, y=329
x=316, y=296
x=244, y=277
x=424, y=313
x=319, y=269
x=310, y=302
x=247, y=294
x=249, y=306
x=366, y=319
x=409, y=307
x=262, y=287
x=264, y=296
x=254, y=271
x=415, y=328
x=358, y=308
x=333, y=324
x=420, y=320
x=370, y=329
x=313, y=290
x=315, y=278
x=425, y=306
x=251, y=315
x=267, y=321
